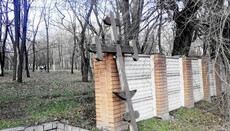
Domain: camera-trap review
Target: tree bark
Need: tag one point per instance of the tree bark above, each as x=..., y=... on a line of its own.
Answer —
x=47, y=39
x=3, y=42
x=17, y=32
x=1, y=23
x=74, y=50
x=47, y=50
x=34, y=55
x=136, y=18
x=3, y=54
x=126, y=20
x=27, y=63
x=15, y=54
x=184, y=27
x=159, y=31
x=84, y=59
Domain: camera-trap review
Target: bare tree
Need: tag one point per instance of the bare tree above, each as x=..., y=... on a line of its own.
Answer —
x=83, y=24
x=3, y=42
x=24, y=34
x=70, y=27
x=17, y=32
x=35, y=31
x=47, y=24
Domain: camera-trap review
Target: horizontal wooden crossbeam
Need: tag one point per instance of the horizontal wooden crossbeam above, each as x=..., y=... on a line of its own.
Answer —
x=111, y=49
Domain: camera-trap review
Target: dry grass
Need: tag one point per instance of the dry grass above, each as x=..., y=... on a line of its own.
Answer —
x=47, y=97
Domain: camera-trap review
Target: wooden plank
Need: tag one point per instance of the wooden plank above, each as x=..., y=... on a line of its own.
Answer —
x=135, y=51
x=108, y=22
x=97, y=42
x=122, y=75
x=111, y=49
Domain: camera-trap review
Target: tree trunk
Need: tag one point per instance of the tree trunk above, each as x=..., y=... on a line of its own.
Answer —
x=136, y=18
x=17, y=33
x=74, y=47
x=1, y=23
x=15, y=55
x=34, y=55
x=184, y=28
x=3, y=50
x=159, y=31
x=15, y=62
x=27, y=64
x=85, y=68
x=47, y=53
x=84, y=59
x=126, y=20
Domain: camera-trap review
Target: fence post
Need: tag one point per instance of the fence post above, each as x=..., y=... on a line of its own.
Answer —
x=201, y=77
x=109, y=108
x=205, y=79
x=161, y=90
x=188, y=82
x=182, y=81
x=217, y=78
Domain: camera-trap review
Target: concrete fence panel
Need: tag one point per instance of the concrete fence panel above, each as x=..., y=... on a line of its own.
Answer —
x=174, y=83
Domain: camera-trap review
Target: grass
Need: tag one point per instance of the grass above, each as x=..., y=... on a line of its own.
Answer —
x=204, y=116
x=62, y=96
x=47, y=97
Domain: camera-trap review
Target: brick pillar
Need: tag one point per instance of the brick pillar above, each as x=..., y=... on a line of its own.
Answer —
x=217, y=77
x=188, y=82
x=205, y=78
x=161, y=89
x=109, y=108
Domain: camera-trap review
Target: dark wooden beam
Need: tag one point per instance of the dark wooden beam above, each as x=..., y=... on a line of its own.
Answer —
x=111, y=49
x=108, y=22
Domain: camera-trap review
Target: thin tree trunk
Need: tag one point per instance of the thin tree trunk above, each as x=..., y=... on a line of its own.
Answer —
x=159, y=31
x=15, y=62
x=27, y=64
x=3, y=50
x=1, y=23
x=126, y=20
x=15, y=54
x=47, y=53
x=74, y=46
x=34, y=55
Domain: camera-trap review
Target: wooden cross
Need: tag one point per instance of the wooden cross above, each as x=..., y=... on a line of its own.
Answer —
x=117, y=49
x=122, y=74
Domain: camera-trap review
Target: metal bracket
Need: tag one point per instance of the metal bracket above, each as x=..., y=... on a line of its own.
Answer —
x=122, y=95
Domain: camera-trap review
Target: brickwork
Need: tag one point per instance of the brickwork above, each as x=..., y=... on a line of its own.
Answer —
x=217, y=78
x=161, y=90
x=205, y=77
x=188, y=82
x=109, y=108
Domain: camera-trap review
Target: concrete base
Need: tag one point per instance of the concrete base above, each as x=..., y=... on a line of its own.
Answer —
x=52, y=126
x=165, y=116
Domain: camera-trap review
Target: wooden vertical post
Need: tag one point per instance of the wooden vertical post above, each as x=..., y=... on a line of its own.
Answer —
x=122, y=74
x=201, y=77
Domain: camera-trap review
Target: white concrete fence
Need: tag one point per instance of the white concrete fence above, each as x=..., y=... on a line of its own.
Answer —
x=163, y=84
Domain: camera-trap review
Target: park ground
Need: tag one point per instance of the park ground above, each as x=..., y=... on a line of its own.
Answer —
x=62, y=96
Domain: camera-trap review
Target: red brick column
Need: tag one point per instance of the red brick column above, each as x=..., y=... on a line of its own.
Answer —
x=188, y=82
x=217, y=78
x=205, y=78
x=109, y=108
x=161, y=89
